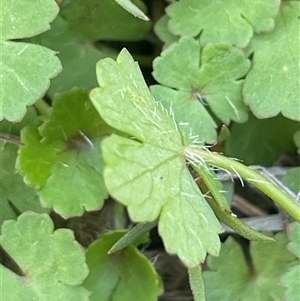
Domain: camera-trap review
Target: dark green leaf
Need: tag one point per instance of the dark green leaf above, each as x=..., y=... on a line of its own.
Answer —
x=125, y=275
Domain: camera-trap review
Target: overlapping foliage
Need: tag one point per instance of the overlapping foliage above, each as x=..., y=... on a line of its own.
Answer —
x=218, y=66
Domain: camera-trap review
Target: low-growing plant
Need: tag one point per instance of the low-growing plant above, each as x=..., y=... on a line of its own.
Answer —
x=223, y=68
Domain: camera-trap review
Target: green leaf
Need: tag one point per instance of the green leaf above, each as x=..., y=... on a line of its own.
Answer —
x=294, y=237
x=261, y=141
x=105, y=21
x=62, y=157
x=26, y=69
x=297, y=140
x=290, y=280
x=195, y=76
x=291, y=179
x=270, y=261
x=272, y=85
x=147, y=172
x=132, y=9
x=132, y=236
x=111, y=275
x=53, y=263
x=222, y=21
x=161, y=29
x=15, y=196
x=77, y=54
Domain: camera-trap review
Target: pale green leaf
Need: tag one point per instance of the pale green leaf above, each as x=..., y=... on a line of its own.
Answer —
x=163, y=32
x=222, y=21
x=25, y=69
x=272, y=85
x=290, y=280
x=147, y=171
x=192, y=116
x=62, y=157
x=185, y=226
x=112, y=275
x=133, y=9
x=53, y=263
x=195, y=76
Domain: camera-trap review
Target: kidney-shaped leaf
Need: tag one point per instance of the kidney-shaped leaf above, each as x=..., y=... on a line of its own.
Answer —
x=147, y=171
x=53, y=263
x=26, y=69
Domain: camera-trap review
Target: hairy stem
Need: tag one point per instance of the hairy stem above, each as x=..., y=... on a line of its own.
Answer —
x=196, y=283
x=248, y=174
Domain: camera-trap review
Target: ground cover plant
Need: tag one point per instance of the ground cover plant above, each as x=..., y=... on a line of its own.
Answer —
x=118, y=120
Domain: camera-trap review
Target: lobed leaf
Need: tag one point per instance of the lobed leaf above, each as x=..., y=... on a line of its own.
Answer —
x=26, y=69
x=15, y=197
x=272, y=85
x=192, y=80
x=259, y=282
x=162, y=30
x=146, y=171
x=53, y=263
x=62, y=157
x=222, y=21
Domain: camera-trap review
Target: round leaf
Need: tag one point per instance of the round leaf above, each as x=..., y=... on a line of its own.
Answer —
x=111, y=275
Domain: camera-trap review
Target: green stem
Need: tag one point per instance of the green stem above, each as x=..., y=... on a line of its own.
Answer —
x=213, y=186
x=250, y=175
x=196, y=283
x=119, y=216
x=234, y=223
x=42, y=107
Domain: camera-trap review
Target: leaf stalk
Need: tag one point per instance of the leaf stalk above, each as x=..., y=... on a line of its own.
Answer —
x=250, y=175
